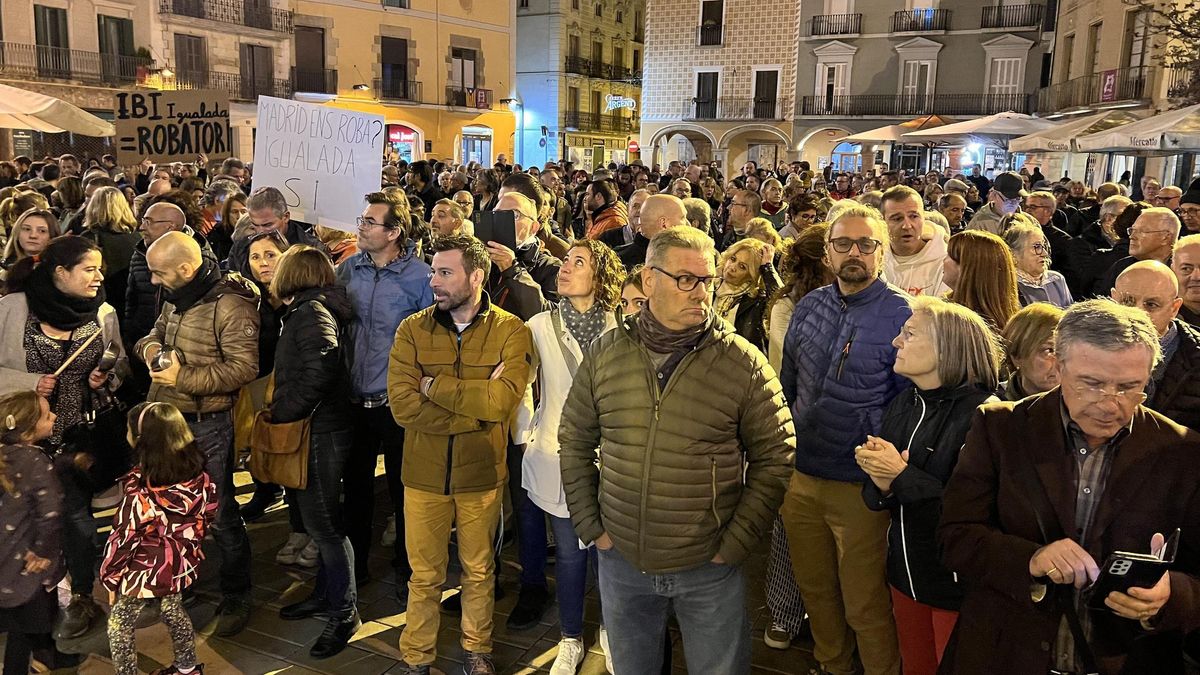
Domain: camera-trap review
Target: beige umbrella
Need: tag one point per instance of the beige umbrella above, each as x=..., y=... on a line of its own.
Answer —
x=22, y=109
x=894, y=133
x=1062, y=138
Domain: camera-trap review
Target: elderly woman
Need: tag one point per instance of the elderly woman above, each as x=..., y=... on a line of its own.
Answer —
x=748, y=280
x=953, y=361
x=1036, y=282
x=1029, y=357
x=933, y=192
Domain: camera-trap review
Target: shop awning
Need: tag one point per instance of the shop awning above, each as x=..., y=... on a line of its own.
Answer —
x=1062, y=138
x=893, y=133
x=1167, y=133
x=993, y=129
x=22, y=109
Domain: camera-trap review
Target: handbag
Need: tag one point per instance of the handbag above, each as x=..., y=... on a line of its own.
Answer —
x=101, y=434
x=279, y=452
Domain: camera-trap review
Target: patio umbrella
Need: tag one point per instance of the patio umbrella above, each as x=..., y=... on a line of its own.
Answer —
x=994, y=129
x=1167, y=133
x=893, y=132
x=1062, y=138
x=22, y=109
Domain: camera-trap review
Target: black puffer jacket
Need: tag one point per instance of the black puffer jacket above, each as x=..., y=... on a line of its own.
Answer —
x=749, y=321
x=311, y=377
x=528, y=287
x=143, y=300
x=932, y=426
x=1177, y=395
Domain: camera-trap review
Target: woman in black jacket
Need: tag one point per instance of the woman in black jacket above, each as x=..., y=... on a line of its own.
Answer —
x=311, y=381
x=953, y=360
x=748, y=280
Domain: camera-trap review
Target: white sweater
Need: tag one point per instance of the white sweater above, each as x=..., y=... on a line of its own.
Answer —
x=919, y=274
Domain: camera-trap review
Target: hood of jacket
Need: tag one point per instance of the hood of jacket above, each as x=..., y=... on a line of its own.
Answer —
x=182, y=502
x=334, y=298
x=232, y=283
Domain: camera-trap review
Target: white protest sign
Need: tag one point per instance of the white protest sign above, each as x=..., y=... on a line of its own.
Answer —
x=323, y=159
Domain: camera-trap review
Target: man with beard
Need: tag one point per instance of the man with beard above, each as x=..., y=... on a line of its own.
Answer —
x=457, y=372
x=838, y=379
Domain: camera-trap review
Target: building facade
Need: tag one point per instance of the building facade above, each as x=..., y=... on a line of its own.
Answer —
x=439, y=71
x=870, y=63
x=720, y=80
x=579, y=74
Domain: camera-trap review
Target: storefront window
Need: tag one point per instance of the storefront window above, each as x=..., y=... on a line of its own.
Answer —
x=401, y=143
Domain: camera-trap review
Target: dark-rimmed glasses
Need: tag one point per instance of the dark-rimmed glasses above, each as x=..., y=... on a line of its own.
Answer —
x=688, y=282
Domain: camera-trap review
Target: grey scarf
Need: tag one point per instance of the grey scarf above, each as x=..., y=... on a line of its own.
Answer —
x=585, y=327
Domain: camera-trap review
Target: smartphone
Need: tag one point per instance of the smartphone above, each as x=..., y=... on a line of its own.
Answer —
x=497, y=226
x=1123, y=571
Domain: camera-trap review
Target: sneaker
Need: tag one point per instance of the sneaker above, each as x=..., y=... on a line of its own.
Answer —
x=336, y=635
x=531, y=606
x=389, y=532
x=604, y=648
x=478, y=663
x=570, y=655
x=291, y=550
x=308, y=607
x=77, y=617
x=777, y=637
x=309, y=556
x=232, y=615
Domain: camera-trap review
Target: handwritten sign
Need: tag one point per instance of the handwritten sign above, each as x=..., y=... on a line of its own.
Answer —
x=323, y=159
x=172, y=126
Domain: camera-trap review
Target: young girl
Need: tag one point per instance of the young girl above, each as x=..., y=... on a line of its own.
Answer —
x=155, y=545
x=30, y=518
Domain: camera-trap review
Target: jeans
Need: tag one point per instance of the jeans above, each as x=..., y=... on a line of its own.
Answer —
x=530, y=524
x=214, y=437
x=320, y=508
x=80, y=547
x=375, y=431
x=709, y=602
x=570, y=570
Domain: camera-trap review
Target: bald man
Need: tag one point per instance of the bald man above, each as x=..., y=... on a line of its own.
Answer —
x=207, y=338
x=657, y=213
x=1185, y=263
x=1174, y=388
x=157, y=187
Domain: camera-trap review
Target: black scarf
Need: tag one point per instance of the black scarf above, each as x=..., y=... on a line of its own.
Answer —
x=187, y=295
x=52, y=306
x=659, y=338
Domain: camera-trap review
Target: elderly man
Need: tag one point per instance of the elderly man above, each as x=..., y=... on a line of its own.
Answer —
x=744, y=206
x=447, y=219
x=1174, y=388
x=1002, y=199
x=1189, y=209
x=268, y=210
x=673, y=525
x=1026, y=525
x=1168, y=197
x=1185, y=263
x=953, y=207
x=1151, y=237
x=913, y=261
x=656, y=214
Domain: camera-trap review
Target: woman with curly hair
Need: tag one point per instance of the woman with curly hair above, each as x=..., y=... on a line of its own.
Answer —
x=748, y=279
x=982, y=276
x=589, y=288
x=804, y=270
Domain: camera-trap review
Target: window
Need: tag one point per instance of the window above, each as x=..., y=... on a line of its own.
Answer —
x=524, y=4
x=50, y=28
x=917, y=78
x=116, y=41
x=462, y=76
x=573, y=99
x=599, y=10
x=1093, y=49
x=637, y=62
x=1064, y=57
x=191, y=60
x=620, y=16
x=1133, y=52
x=766, y=95
x=712, y=20
x=393, y=63
x=707, y=86
x=597, y=53
x=573, y=46
x=257, y=70
x=832, y=80
x=835, y=62
x=401, y=4
x=310, y=51
x=1005, y=76
x=574, y=4
x=618, y=57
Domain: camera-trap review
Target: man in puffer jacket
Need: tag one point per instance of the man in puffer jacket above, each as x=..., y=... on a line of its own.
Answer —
x=670, y=509
x=837, y=376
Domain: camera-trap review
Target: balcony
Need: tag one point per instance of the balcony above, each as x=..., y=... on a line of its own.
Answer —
x=237, y=12
x=709, y=35
x=1184, y=82
x=393, y=89
x=594, y=121
x=1124, y=84
x=467, y=97
x=920, y=20
x=37, y=62
x=1011, y=16
x=598, y=69
x=836, y=24
x=733, y=108
x=240, y=87
x=883, y=105
x=314, y=81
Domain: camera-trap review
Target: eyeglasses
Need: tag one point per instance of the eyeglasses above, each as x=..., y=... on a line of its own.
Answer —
x=145, y=220
x=688, y=282
x=1041, y=249
x=364, y=223
x=1093, y=394
x=1040, y=207
x=741, y=204
x=1163, y=200
x=865, y=246
x=464, y=202
x=1190, y=213
x=808, y=216
x=516, y=213
x=1134, y=232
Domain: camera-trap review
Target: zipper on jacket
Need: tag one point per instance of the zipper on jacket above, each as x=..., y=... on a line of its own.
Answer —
x=714, y=492
x=450, y=440
x=904, y=541
x=846, y=352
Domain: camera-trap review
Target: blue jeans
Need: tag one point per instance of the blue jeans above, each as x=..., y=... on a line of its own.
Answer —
x=570, y=575
x=709, y=602
x=320, y=509
x=214, y=437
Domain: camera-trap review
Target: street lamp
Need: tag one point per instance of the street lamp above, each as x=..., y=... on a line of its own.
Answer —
x=515, y=105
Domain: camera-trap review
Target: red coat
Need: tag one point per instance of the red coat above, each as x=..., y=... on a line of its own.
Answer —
x=989, y=532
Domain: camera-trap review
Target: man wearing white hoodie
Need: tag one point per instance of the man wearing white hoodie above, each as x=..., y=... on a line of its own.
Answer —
x=913, y=262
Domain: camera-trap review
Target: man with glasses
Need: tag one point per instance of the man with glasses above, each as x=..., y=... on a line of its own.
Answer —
x=268, y=210
x=841, y=187
x=1151, y=237
x=673, y=525
x=913, y=260
x=838, y=378
x=1185, y=263
x=1026, y=525
x=1168, y=197
x=1189, y=209
x=1003, y=199
x=386, y=283
x=743, y=207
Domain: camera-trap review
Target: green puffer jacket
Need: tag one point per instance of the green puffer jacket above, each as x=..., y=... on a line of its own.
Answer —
x=670, y=491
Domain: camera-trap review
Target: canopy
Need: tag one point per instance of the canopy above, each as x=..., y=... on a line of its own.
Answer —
x=893, y=132
x=1062, y=137
x=1170, y=132
x=21, y=109
x=993, y=128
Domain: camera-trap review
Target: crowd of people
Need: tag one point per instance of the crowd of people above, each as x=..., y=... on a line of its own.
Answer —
x=939, y=402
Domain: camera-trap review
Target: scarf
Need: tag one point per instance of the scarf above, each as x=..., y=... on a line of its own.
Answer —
x=585, y=327
x=48, y=304
x=728, y=297
x=186, y=296
x=660, y=339
x=1028, y=278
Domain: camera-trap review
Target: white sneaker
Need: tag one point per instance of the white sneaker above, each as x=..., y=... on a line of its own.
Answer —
x=389, y=532
x=309, y=556
x=570, y=655
x=604, y=648
x=291, y=550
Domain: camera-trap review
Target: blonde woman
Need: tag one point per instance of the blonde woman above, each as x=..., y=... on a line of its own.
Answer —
x=32, y=231
x=748, y=280
x=108, y=221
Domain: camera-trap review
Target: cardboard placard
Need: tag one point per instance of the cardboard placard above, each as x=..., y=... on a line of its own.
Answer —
x=323, y=159
x=172, y=126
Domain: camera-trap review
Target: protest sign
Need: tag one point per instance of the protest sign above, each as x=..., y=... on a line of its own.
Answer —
x=323, y=159
x=172, y=126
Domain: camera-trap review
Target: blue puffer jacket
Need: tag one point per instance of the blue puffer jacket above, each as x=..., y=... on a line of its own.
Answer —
x=837, y=373
x=382, y=298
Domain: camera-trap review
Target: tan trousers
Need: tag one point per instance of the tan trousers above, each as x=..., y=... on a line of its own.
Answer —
x=427, y=521
x=838, y=549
